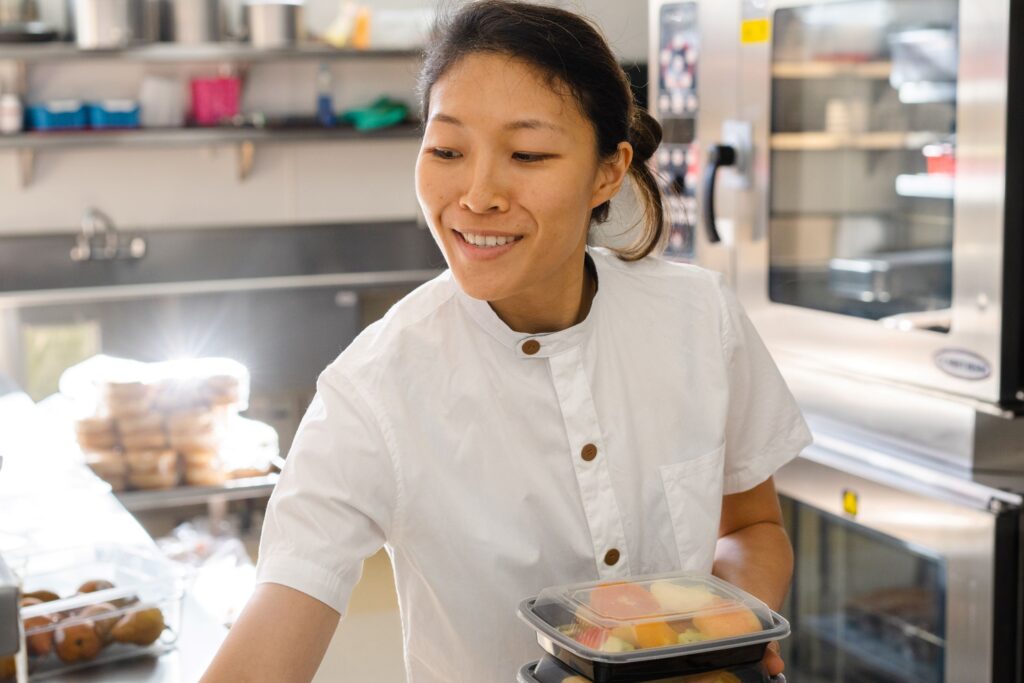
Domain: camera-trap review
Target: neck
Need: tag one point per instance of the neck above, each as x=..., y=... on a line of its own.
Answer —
x=556, y=304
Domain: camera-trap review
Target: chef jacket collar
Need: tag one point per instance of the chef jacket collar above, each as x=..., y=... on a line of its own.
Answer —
x=551, y=343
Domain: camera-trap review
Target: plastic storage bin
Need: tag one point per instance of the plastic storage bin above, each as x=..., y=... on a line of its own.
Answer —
x=652, y=627
x=215, y=99
x=57, y=115
x=114, y=114
x=550, y=670
x=99, y=604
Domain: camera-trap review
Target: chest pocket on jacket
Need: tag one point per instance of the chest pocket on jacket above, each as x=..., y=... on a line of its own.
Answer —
x=693, y=491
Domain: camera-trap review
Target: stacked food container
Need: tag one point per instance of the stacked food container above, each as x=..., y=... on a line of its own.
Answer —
x=678, y=628
x=84, y=606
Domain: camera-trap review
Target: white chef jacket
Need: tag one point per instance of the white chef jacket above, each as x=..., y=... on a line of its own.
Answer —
x=489, y=473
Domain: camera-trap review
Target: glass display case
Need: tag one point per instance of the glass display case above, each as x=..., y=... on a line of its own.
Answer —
x=901, y=574
x=857, y=623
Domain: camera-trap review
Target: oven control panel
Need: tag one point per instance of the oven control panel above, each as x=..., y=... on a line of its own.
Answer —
x=677, y=107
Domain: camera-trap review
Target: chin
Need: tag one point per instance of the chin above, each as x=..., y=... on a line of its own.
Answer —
x=484, y=289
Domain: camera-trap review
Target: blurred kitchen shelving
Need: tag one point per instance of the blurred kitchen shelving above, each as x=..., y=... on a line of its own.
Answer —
x=180, y=496
x=244, y=137
x=191, y=137
x=215, y=498
x=208, y=52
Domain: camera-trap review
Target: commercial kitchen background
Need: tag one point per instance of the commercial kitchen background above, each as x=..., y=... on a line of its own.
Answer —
x=905, y=515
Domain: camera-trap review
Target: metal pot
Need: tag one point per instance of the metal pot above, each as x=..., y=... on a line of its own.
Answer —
x=146, y=20
x=273, y=24
x=197, y=21
x=18, y=11
x=106, y=24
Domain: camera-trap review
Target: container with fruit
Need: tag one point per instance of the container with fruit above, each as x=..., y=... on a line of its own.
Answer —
x=90, y=605
x=652, y=627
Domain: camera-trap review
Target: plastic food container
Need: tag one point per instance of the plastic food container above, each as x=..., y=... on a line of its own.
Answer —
x=940, y=159
x=114, y=114
x=215, y=99
x=57, y=115
x=652, y=627
x=550, y=670
x=98, y=604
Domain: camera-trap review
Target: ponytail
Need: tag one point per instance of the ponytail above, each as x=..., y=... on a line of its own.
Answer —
x=645, y=136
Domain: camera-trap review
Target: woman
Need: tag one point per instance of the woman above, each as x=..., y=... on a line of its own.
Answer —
x=543, y=412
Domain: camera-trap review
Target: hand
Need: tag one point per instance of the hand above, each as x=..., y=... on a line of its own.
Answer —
x=772, y=661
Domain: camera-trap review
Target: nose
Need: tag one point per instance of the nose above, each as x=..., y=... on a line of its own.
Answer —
x=485, y=193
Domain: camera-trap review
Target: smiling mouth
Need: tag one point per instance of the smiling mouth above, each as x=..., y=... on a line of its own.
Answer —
x=487, y=241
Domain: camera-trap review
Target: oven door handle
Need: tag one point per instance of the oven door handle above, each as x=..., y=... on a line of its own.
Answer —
x=718, y=156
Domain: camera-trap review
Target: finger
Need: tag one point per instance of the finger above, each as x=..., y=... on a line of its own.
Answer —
x=773, y=663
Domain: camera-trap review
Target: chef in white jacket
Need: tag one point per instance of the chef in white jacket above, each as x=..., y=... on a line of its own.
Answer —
x=542, y=413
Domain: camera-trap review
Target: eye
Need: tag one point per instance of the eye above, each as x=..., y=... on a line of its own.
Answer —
x=530, y=157
x=446, y=154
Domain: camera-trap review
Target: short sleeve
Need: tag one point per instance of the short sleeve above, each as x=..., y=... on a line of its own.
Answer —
x=764, y=427
x=334, y=502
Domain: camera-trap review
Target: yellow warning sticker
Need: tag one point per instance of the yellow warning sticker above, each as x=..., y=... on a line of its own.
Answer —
x=850, y=502
x=755, y=31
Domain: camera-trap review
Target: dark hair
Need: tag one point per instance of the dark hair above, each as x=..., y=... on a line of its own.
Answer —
x=573, y=53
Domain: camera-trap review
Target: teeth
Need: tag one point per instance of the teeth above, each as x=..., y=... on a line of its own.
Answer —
x=487, y=240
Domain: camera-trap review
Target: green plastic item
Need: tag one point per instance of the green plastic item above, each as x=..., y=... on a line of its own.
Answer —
x=383, y=113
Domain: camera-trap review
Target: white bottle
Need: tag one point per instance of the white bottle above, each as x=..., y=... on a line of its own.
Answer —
x=12, y=116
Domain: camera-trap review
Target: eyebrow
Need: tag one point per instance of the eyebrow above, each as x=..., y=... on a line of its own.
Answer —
x=523, y=124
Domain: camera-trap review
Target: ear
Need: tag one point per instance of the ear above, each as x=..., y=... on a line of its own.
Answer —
x=611, y=173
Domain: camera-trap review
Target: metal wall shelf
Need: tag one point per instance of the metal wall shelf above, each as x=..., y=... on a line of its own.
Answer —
x=194, y=137
x=208, y=52
x=27, y=144
x=179, y=496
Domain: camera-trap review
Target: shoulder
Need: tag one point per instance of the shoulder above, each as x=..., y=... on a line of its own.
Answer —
x=417, y=318
x=654, y=275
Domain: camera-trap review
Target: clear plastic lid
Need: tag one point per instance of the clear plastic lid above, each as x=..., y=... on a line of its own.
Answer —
x=652, y=616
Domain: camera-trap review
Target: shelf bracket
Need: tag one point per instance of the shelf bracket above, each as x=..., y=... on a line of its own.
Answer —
x=26, y=160
x=246, y=159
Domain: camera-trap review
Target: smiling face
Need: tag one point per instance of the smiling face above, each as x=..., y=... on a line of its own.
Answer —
x=507, y=176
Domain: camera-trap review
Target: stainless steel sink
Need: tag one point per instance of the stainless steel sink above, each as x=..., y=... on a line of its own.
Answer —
x=43, y=263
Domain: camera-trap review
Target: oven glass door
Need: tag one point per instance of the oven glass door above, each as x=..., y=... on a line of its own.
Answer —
x=875, y=239
x=863, y=155
x=863, y=606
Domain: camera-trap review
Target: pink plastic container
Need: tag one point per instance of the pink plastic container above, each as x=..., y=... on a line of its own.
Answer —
x=215, y=99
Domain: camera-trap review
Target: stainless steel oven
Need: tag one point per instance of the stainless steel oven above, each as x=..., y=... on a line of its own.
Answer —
x=692, y=57
x=871, y=210
x=903, y=574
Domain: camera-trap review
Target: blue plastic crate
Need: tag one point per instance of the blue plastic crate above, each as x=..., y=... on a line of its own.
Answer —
x=56, y=116
x=114, y=115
